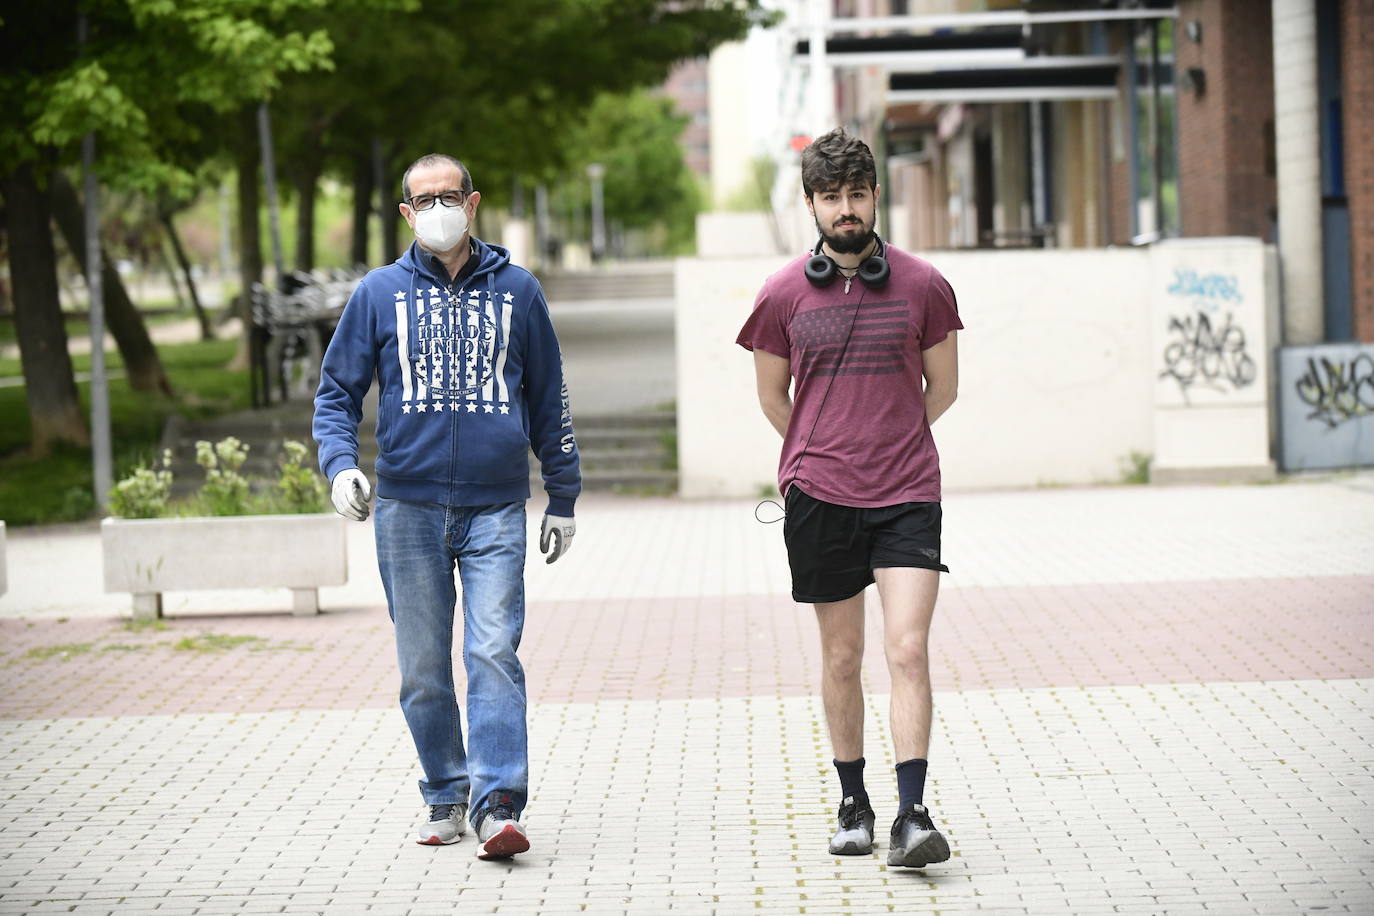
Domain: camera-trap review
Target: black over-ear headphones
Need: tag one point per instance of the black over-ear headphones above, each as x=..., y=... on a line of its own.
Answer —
x=821, y=270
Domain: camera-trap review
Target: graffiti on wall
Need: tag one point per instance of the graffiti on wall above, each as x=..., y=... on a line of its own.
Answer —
x=1210, y=287
x=1205, y=346
x=1338, y=391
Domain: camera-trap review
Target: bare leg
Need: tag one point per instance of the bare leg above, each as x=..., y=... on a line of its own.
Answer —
x=908, y=596
x=842, y=649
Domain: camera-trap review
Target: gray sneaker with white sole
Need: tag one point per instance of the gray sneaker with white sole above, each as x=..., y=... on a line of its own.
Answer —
x=499, y=834
x=446, y=824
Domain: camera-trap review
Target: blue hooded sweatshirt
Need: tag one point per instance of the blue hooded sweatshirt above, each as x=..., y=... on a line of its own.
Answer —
x=470, y=378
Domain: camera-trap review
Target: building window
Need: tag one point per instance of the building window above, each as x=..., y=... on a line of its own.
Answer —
x=1153, y=119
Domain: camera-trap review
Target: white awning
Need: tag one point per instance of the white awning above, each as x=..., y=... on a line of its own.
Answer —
x=845, y=25
x=993, y=96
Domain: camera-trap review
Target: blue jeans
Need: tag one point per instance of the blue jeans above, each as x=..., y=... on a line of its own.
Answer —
x=417, y=547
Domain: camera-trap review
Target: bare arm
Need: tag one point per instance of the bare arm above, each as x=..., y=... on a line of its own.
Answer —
x=773, y=376
x=941, y=369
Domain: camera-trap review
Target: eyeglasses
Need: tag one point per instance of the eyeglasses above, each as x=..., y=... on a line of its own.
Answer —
x=447, y=198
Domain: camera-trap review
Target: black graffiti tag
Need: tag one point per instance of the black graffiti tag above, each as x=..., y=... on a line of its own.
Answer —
x=1338, y=392
x=1199, y=354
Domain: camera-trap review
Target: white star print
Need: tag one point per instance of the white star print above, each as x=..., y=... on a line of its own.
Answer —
x=472, y=408
x=505, y=409
x=487, y=407
x=400, y=295
x=434, y=290
x=509, y=297
x=421, y=407
x=405, y=408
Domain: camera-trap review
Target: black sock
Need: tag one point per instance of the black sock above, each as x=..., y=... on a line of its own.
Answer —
x=852, y=779
x=911, y=781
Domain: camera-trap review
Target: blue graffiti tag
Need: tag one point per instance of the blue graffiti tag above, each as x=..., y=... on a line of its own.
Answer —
x=1213, y=287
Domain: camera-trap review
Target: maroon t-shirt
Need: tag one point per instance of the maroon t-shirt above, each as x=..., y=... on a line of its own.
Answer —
x=871, y=445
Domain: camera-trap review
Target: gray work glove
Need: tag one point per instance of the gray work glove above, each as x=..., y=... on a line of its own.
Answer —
x=558, y=530
x=350, y=492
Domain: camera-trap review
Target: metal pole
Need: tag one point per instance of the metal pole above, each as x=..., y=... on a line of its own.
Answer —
x=226, y=258
x=378, y=183
x=596, y=171
x=822, y=83
x=101, y=458
x=1039, y=199
x=541, y=225
x=1156, y=172
x=269, y=174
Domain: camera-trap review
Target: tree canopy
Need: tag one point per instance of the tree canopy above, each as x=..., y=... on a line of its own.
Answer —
x=149, y=79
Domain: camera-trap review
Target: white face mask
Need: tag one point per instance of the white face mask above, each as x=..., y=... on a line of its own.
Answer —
x=441, y=228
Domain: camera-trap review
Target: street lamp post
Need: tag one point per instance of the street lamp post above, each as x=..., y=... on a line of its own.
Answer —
x=596, y=171
x=269, y=173
x=102, y=470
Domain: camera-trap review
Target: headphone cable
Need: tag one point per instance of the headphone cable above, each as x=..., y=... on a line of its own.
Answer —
x=796, y=472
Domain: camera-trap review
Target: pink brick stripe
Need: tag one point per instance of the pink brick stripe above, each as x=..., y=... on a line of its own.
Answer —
x=673, y=648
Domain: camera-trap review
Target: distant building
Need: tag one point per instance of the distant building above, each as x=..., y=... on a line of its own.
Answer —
x=689, y=87
x=1085, y=123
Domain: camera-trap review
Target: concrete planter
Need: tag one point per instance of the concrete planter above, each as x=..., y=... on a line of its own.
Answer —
x=149, y=556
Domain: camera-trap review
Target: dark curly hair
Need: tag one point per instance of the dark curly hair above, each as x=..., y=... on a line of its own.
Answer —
x=837, y=159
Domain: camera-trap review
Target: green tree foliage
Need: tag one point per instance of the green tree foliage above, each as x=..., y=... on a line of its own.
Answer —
x=147, y=78
x=504, y=86
x=151, y=77
x=635, y=136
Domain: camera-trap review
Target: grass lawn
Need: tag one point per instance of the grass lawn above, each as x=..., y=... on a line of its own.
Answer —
x=58, y=488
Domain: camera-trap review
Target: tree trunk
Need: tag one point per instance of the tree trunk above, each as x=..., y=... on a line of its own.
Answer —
x=173, y=281
x=247, y=155
x=386, y=209
x=55, y=414
x=362, y=204
x=184, y=263
x=142, y=365
x=306, y=178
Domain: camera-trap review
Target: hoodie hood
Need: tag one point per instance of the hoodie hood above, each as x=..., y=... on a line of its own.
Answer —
x=427, y=264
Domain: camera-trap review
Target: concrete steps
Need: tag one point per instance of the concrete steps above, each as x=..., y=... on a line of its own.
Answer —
x=624, y=453
x=649, y=280
x=629, y=453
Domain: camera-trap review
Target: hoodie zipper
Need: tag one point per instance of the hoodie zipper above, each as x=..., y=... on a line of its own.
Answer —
x=455, y=440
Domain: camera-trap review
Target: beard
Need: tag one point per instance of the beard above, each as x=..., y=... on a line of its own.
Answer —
x=851, y=238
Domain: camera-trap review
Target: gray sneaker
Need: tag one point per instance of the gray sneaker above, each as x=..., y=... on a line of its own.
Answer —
x=499, y=834
x=446, y=824
x=915, y=843
x=855, y=834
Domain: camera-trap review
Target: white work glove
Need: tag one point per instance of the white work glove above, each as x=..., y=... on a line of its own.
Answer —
x=558, y=530
x=350, y=492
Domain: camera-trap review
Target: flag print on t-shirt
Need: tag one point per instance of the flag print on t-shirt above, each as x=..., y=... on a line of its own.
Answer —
x=873, y=347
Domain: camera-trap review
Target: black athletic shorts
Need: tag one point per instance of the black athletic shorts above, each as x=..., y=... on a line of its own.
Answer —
x=833, y=550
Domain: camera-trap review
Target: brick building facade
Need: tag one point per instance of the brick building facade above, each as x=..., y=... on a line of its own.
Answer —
x=1224, y=70
x=1357, y=101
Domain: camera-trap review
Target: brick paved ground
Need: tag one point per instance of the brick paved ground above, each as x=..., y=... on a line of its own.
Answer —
x=1148, y=700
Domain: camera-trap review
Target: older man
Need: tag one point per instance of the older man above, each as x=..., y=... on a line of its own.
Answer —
x=470, y=378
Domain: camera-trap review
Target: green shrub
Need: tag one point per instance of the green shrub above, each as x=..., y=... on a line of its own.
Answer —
x=225, y=491
x=144, y=493
x=297, y=488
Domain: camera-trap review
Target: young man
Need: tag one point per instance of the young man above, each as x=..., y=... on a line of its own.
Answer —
x=470, y=375
x=858, y=323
